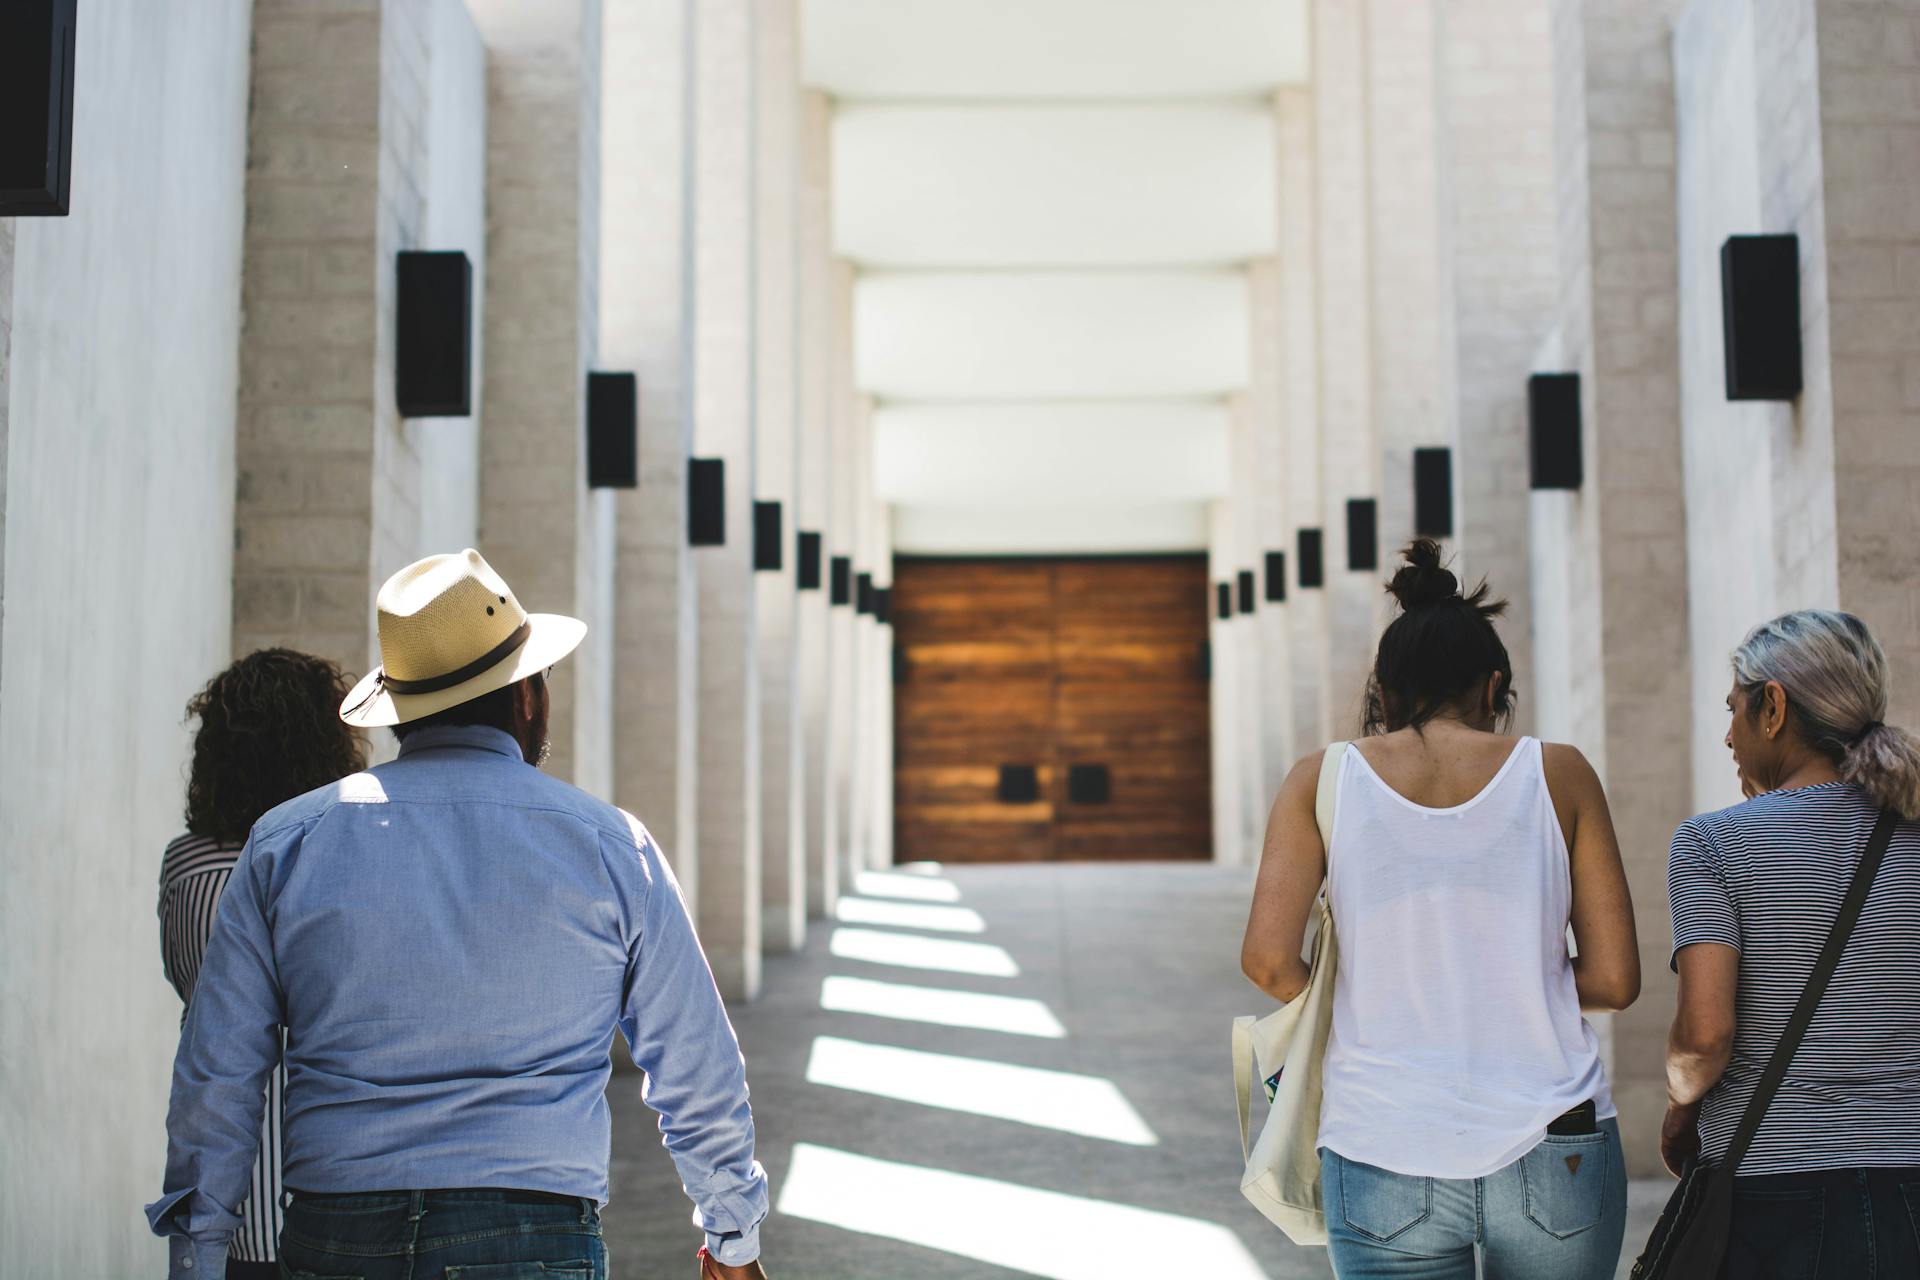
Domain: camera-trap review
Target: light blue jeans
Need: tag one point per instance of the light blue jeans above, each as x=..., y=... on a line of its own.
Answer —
x=1556, y=1213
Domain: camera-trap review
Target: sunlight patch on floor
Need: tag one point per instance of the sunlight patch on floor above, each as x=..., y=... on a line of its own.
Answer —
x=887, y=884
x=1040, y=1232
x=1091, y=1106
x=910, y=915
x=1015, y=1015
x=909, y=952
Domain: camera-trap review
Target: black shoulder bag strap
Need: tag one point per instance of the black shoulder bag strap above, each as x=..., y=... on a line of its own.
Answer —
x=1816, y=987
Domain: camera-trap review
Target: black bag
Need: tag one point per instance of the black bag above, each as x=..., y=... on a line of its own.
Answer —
x=1690, y=1240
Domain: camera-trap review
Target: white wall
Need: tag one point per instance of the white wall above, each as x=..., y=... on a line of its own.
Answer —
x=1726, y=445
x=456, y=182
x=118, y=562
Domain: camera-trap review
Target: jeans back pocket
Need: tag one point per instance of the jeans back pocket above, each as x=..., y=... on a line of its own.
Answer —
x=1565, y=1182
x=1379, y=1203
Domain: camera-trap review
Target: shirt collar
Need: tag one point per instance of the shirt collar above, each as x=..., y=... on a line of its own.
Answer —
x=478, y=737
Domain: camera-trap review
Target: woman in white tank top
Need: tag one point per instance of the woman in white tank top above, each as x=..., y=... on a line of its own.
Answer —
x=1465, y=1104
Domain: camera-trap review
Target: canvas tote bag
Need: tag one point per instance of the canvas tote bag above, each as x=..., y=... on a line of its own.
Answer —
x=1280, y=1055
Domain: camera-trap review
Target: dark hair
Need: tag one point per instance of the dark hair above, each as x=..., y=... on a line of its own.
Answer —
x=270, y=730
x=1440, y=651
x=493, y=710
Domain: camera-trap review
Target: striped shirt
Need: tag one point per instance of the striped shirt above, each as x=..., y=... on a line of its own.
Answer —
x=1767, y=877
x=193, y=874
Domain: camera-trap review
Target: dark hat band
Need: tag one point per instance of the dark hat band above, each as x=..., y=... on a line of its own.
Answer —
x=434, y=684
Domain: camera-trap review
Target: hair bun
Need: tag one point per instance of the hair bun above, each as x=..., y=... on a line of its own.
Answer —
x=1422, y=582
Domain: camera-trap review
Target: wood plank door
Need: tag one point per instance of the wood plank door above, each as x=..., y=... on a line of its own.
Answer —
x=1087, y=673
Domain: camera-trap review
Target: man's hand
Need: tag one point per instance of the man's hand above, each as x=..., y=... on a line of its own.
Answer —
x=711, y=1268
x=1680, y=1136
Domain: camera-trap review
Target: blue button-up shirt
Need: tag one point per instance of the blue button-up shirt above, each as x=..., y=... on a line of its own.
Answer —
x=449, y=940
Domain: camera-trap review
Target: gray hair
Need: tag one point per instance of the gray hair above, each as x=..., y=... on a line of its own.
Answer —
x=1835, y=676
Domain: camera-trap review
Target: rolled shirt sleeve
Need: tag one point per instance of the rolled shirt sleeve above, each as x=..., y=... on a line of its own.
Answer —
x=228, y=1049
x=1698, y=893
x=675, y=1021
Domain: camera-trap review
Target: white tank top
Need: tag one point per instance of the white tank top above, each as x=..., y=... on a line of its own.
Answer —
x=1457, y=1034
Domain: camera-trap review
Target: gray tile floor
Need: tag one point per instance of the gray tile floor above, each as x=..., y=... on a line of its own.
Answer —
x=1139, y=965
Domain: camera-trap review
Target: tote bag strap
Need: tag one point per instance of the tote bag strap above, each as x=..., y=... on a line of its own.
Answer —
x=1328, y=793
x=1243, y=1078
x=1816, y=987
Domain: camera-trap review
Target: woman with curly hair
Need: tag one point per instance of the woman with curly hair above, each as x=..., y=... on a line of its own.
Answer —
x=269, y=731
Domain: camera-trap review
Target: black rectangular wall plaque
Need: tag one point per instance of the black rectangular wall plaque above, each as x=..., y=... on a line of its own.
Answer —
x=883, y=605
x=36, y=107
x=1760, y=316
x=863, y=593
x=1553, y=430
x=1433, y=492
x=613, y=431
x=1223, y=600
x=433, y=336
x=707, y=502
x=842, y=583
x=807, y=555
x=1363, y=534
x=1019, y=784
x=767, y=542
x=1276, y=577
x=1089, y=784
x=1245, y=584
x=1310, y=552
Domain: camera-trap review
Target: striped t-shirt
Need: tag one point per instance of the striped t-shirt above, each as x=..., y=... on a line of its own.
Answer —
x=193, y=874
x=1767, y=877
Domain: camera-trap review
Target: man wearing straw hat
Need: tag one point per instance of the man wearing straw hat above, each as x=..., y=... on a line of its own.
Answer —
x=449, y=941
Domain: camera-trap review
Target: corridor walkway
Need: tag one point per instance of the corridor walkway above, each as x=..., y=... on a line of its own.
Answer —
x=991, y=1072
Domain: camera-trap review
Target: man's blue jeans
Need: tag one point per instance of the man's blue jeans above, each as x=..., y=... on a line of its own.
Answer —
x=1559, y=1211
x=442, y=1235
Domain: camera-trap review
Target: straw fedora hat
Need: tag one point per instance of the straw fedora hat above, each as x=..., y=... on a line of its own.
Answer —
x=450, y=630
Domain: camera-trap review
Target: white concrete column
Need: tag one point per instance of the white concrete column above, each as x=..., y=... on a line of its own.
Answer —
x=723, y=407
x=645, y=313
x=6, y=356
x=1272, y=620
x=818, y=352
x=1297, y=275
x=1606, y=553
x=880, y=850
x=1411, y=383
x=778, y=449
x=842, y=633
x=1497, y=206
x=325, y=513
x=1249, y=649
x=1229, y=776
x=863, y=760
x=539, y=525
x=1349, y=442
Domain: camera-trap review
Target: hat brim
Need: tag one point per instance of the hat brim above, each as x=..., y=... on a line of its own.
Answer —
x=550, y=637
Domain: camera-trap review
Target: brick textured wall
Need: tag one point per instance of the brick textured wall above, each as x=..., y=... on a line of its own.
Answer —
x=1297, y=282
x=1498, y=246
x=309, y=402
x=1349, y=445
x=1869, y=110
x=1618, y=323
x=1411, y=384
x=538, y=525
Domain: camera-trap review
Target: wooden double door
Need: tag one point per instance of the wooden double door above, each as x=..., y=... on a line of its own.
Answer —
x=1051, y=709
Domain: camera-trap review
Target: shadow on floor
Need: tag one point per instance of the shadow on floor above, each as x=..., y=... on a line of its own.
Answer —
x=993, y=1071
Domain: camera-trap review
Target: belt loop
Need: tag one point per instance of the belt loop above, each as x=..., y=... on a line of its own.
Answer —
x=586, y=1211
x=416, y=1205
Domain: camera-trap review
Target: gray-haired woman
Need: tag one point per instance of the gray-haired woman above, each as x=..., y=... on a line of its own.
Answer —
x=1831, y=1185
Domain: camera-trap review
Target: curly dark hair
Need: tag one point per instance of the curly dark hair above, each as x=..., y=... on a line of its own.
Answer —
x=270, y=729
